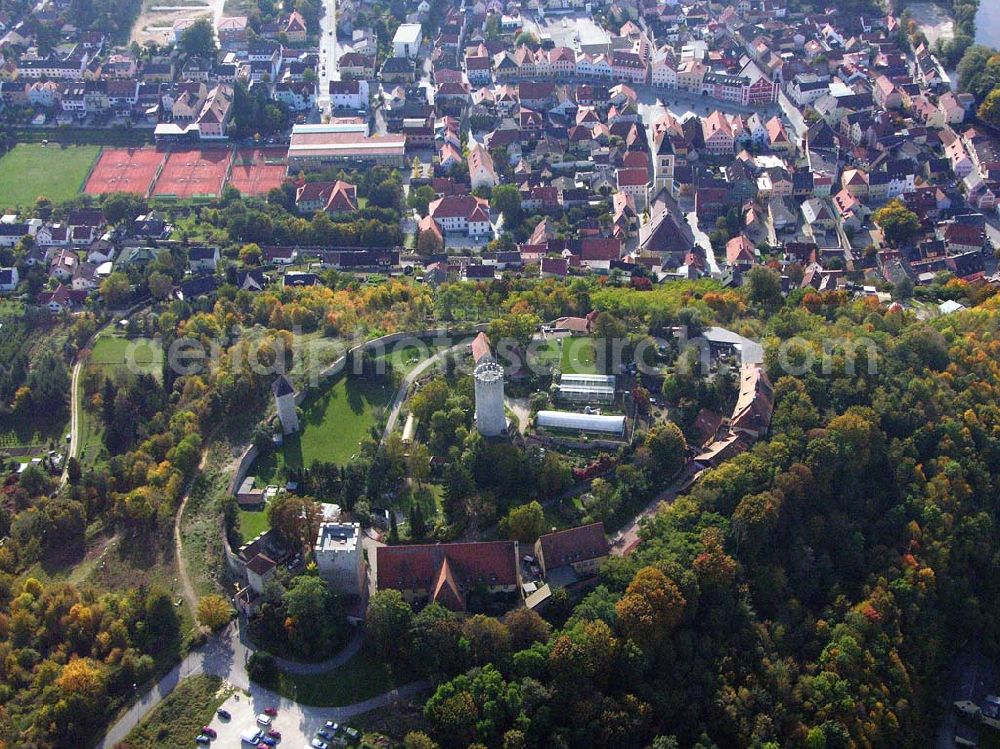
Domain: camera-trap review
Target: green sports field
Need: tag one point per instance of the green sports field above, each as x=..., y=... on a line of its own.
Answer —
x=140, y=355
x=31, y=169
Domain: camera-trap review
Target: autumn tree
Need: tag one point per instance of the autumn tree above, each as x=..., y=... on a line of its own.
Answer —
x=899, y=224
x=651, y=608
x=214, y=612
x=295, y=519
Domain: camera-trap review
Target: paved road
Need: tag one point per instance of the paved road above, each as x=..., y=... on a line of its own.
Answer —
x=626, y=539
x=74, y=419
x=327, y=53
x=225, y=656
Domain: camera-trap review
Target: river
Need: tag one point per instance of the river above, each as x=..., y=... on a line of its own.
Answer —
x=988, y=23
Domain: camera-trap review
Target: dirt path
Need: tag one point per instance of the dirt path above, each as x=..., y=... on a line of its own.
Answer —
x=187, y=587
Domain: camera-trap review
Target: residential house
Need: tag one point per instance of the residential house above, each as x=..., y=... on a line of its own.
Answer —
x=203, y=259
x=481, y=170
x=462, y=214
x=570, y=555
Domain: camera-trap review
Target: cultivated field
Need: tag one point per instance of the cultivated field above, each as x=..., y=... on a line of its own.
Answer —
x=32, y=169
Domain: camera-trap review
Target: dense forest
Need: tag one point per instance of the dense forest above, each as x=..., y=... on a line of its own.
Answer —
x=809, y=593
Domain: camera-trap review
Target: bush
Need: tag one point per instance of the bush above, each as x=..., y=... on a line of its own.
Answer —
x=262, y=667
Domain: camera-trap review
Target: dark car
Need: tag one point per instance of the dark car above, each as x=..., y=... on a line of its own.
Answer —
x=272, y=711
x=324, y=734
x=202, y=739
x=276, y=735
x=210, y=732
x=224, y=714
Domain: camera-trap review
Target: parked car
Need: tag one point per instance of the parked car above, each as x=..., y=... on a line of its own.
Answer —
x=210, y=732
x=224, y=714
x=272, y=711
x=263, y=719
x=324, y=734
x=268, y=741
x=202, y=739
x=276, y=735
x=331, y=726
x=317, y=744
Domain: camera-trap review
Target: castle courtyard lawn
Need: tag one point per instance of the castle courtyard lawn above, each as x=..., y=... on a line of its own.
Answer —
x=332, y=423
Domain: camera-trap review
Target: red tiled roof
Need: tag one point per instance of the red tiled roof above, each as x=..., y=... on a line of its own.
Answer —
x=597, y=248
x=447, y=568
x=633, y=177
x=574, y=545
x=480, y=347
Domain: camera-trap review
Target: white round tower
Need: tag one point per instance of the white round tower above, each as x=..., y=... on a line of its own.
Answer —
x=490, y=418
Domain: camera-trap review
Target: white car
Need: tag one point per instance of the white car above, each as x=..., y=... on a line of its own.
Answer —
x=264, y=720
x=317, y=744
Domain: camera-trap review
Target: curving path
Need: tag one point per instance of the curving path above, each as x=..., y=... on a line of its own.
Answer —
x=225, y=656
x=74, y=396
x=410, y=378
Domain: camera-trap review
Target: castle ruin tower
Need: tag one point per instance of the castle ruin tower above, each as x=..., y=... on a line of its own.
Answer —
x=490, y=418
x=284, y=399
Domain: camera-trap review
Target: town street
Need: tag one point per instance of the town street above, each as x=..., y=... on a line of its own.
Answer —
x=328, y=54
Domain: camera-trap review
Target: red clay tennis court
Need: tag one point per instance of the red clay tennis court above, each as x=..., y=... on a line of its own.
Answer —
x=256, y=171
x=124, y=170
x=195, y=173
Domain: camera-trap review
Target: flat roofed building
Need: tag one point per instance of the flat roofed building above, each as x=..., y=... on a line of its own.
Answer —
x=406, y=42
x=331, y=147
x=339, y=557
x=577, y=422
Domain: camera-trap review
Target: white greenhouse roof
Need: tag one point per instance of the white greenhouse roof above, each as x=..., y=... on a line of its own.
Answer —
x=587, y=379
x=583, y=422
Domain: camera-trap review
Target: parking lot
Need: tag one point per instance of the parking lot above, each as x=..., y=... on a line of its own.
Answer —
x=296, y=724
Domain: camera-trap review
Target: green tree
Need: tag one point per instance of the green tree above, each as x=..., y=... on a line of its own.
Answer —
x=506, y=200
x=198, y=40
x=420, y=198
x=525, y=523
x=160, y=285
x=115, y=288
x=668, y=447
x=314, y=620
x=764, y=287
x=388, y=622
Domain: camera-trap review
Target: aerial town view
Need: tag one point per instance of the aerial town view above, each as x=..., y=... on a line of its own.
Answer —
x=499, y=374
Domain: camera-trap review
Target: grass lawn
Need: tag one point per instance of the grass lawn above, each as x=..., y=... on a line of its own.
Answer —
x=141, y=355
x=333, y=421
x=179, y=718
x=11, y=308
x=362, y=677
x=578, y=356
x=32, y=169
x=252, y=523
x=405, y=359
